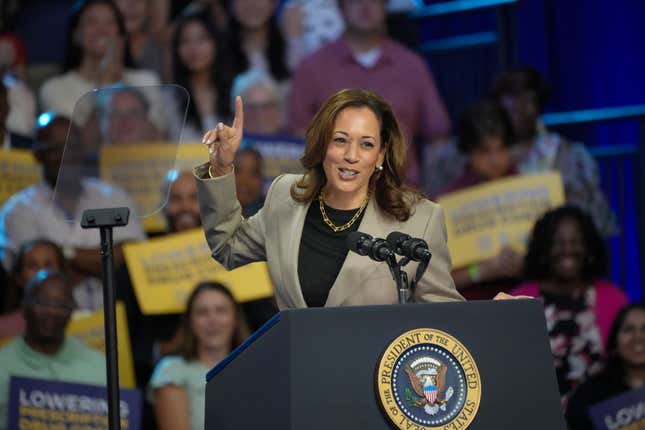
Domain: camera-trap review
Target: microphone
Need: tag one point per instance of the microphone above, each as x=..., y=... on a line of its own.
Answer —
x=414, y=249
x=364, y=244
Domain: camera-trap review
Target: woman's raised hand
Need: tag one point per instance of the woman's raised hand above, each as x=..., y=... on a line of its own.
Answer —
x=223, y=142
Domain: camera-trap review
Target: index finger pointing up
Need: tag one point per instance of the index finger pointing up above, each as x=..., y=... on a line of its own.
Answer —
x=238, y=121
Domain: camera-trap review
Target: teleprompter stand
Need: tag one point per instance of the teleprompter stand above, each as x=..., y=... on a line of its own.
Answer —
x=105, y=220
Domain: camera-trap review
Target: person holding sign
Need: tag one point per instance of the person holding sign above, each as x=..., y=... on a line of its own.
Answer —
x=354, y=162
x=625, y=369
x=484, y=135
x=44, y=351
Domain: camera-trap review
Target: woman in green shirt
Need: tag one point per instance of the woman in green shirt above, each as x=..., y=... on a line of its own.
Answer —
x=213, y=326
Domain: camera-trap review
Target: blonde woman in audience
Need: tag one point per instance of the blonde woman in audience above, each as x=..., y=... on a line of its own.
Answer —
x=213, y=327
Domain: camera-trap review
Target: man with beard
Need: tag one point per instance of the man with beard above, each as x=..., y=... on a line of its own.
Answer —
x=44, y=351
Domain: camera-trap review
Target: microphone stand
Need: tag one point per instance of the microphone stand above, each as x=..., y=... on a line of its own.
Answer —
x=400, y=277
x=403, y=288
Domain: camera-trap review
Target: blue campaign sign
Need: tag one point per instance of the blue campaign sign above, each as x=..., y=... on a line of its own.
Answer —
x=623, y=412
x=38, y=403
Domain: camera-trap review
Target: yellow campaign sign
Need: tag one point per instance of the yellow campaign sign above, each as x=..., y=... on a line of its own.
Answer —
x=165, y=270
x=90, y=329
x=18, y=170
x=482, y=219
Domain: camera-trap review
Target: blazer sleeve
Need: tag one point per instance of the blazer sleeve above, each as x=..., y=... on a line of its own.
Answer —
x=437, y=284
x=233, y=240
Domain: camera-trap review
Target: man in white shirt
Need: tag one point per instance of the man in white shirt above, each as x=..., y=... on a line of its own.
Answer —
x=32, y=214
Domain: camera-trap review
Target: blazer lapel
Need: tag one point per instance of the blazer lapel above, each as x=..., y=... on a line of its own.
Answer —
x=291, y=234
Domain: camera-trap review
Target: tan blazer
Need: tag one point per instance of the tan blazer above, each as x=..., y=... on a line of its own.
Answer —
x=274, y=233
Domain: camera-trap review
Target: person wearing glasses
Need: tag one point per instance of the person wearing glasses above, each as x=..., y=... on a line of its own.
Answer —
x=44, y=351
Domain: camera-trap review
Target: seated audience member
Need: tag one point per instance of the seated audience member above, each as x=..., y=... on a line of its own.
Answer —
x=484, y=136
x=127, y=119
x=249, y=180
x=624, y=371
x=10, y=139
x=32, y=214
x=365, y=57
x=33, y=256
x=44, y=351
x=96, y=55
x=566, y=262
x=213, y=326
x=255, y=41
x=22, y=101
x=523, y=93
x=263, y=106
x=199, y=65
x=145, y=46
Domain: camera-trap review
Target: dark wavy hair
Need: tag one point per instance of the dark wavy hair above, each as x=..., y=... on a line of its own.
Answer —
x=188, y=349
x=15, y=291
x=387, y=187
x=482, y=119
x=275, y=51
x=537, y=263
x=73, y=51
x=614, y=368
x=520, y=80
x=221, y=75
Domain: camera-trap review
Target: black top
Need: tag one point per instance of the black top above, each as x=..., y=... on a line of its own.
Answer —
x=322, y=251
x=595, y=390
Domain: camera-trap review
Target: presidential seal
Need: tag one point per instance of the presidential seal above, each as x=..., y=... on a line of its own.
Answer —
x=426, y=379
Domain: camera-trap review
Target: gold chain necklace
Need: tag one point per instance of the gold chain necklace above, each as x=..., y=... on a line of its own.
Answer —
x=349, y=223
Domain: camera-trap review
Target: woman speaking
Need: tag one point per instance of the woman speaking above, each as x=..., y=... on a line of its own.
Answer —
x=354, y=166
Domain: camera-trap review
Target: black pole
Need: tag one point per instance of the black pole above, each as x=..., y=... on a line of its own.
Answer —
x=105, y=220
x=109, y=314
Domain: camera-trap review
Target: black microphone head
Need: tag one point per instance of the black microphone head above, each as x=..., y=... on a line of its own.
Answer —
x=380, y=250
x=396, y=239
x=359, y=242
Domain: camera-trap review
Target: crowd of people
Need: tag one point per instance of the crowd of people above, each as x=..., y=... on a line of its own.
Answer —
x=284, y=59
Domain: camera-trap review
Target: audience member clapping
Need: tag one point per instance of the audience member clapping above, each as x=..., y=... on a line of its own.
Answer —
x=201, y=65
x=96, y=55
x=33, y=256
x=566, y=262
x=213, y=326
x=484, y=136
x=523, y=93
x=624, y=371
x=44, y=351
